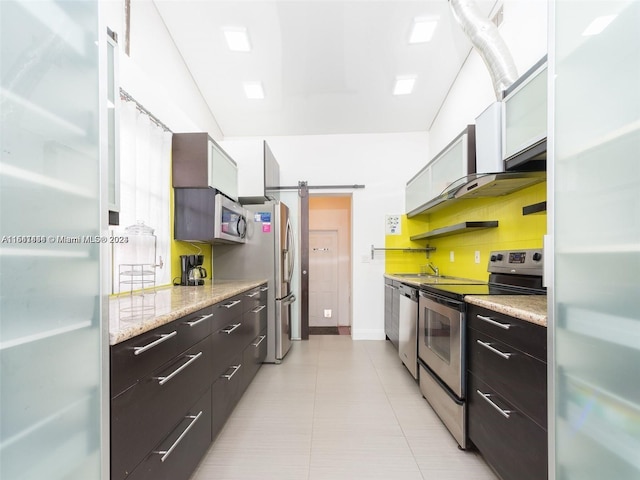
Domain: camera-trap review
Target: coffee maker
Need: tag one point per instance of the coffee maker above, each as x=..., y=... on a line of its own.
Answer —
x=191, y=271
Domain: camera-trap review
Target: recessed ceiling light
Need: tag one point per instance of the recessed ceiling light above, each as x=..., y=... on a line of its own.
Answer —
x=237, y=39
x=598, y=25
x=404, y=84
x=423, y=29
x=253, y=90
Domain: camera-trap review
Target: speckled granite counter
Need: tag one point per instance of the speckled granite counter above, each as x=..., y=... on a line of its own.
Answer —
x=131, y=315
x=532, y=308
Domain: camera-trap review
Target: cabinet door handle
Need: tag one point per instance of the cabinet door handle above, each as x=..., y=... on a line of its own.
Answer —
x=231, y=304
x=165, y=453
x=192, y=358
x=504, y=413
x=494, y=350
x=251, y=295
x=235, y=370
x=201, y=319
x=262, y=337
x=490, y=320
x=261, y=307
x=264, y=289
x=231, y=328
x=163, y=338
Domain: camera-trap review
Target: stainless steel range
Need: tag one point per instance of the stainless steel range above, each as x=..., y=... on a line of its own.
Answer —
x=442, y=329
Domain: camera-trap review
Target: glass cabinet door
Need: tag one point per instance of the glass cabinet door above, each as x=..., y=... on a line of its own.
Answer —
x=525, y=114
x=223, y=171
x=595, y=309
x=50, y=303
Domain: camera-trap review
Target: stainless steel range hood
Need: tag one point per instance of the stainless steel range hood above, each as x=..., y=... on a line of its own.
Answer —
x=496, y=184
x=479, y=185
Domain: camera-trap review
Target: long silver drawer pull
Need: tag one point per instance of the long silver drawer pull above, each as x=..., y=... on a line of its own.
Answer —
x=235, y=370
x=261, y=307
x=231, y=304
x=251, y=295
x=201, y=319
x=264, y=289
x=262, y=337
x=494, y=350
x=490, y=320
x=166, y=453
x=504, y=413
x=192, y=358
x=163, y=338
x=230, y=329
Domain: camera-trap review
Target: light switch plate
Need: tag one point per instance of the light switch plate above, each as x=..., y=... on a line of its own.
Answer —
x=451, y=256
x=477, y=256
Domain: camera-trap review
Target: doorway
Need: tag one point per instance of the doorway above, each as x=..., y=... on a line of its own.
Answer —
x=330, y=264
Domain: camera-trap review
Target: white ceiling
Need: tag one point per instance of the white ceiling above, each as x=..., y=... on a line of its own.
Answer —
x=327, y=67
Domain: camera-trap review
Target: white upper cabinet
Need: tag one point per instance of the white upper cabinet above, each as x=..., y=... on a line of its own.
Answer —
x=223, y=171
x=198, y=161
x=525, y=118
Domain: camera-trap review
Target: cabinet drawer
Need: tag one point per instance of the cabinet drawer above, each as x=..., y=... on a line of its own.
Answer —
x=253, y=356
x=525, y=336
x=178, y=454
x=515, y=446
x=256, y=318
x=225, y=393
x=519, y=378
x=251, y=299
x=224, y=312
x=143, y=414
x=229, y=341
x=133, y=359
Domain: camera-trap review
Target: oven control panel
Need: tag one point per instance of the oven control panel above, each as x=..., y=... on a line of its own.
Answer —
x=524, y=262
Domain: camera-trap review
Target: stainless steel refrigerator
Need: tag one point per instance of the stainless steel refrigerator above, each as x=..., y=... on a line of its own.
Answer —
x=269, y=253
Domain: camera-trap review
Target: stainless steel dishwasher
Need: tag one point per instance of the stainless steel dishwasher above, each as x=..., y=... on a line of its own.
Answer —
x=408, y=326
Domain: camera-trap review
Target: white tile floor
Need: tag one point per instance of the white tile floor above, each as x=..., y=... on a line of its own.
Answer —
x=337, y=409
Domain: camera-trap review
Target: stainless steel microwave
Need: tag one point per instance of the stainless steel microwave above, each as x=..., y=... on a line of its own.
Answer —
x=230, y=220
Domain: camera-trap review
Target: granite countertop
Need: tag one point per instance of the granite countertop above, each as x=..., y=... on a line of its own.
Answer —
x=131, y=315
x=531, y=308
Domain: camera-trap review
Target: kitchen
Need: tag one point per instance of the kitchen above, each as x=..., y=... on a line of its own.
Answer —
x=156, y=77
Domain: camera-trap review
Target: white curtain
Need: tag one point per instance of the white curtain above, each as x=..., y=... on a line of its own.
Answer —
x=145, y=163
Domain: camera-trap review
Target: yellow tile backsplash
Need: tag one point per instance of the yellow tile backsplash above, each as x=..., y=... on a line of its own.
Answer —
x=514, y=231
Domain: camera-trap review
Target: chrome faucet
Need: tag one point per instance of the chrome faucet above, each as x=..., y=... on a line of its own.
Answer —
x=435, y=269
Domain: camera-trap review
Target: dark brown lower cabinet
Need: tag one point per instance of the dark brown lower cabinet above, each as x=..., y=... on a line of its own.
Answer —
x=507, y=393
x=178, y=454
x=514, y=445
x=174, y=387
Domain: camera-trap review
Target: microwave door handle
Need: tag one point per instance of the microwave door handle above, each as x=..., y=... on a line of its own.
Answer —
x=241, y=226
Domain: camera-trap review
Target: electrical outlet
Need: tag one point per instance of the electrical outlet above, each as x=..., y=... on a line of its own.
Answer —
x=327, y=313
x=477, y=256
x=451, y=256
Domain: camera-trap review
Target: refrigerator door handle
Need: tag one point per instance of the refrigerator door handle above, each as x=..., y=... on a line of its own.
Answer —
x=290, y=253
x=289, y=300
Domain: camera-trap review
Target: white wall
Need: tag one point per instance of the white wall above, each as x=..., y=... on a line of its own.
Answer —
x=524, y=30
x=154, y=74
x=383, y=163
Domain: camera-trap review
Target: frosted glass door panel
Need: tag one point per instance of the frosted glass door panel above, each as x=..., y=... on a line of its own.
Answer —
x=223, y=172
x=597, y=241
x=448, y=167
x=526, y=114
x=417, y=190
x=50, y=337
